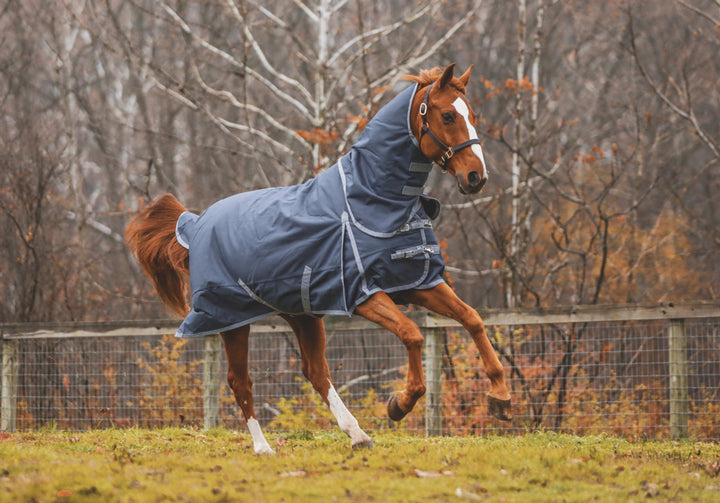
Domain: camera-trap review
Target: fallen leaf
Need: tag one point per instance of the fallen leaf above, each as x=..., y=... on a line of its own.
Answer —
x=4, y=436
x=467, y=495
x=297, y=474
x=713, y=468
x=431, y=474
x=64, y=493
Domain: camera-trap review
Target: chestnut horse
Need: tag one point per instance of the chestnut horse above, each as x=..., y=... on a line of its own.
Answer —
x=439, y=123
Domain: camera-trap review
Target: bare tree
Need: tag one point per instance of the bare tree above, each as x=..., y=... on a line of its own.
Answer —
x=684, y=81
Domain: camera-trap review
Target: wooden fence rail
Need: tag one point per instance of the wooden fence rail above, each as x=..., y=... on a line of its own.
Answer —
x=432, y=326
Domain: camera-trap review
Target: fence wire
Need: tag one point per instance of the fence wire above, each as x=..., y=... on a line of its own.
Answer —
x=587, y=378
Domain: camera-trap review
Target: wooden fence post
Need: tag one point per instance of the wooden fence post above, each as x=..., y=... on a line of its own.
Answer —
x=433, y=377
x=677, y=358
x=211, y=381
x=10, y=366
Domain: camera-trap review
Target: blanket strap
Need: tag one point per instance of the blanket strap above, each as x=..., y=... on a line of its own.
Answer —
x=305, y=289
x=415, y=225
x=415, y=250
x=410, y=190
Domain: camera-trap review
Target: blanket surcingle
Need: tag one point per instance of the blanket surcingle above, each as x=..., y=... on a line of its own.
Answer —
x=323, y=247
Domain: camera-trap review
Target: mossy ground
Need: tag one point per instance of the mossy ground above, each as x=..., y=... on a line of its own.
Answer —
x=219, y=465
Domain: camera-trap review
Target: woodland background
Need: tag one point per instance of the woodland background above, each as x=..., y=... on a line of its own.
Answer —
x=600, y=123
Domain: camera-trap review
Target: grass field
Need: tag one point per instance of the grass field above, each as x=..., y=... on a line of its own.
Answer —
x=219, y=465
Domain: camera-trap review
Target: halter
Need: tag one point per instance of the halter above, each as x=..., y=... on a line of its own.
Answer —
x=449, y=151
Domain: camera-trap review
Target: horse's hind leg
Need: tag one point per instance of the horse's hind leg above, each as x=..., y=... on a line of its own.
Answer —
x=443, y=300
x=310, y=334
x=236, y=349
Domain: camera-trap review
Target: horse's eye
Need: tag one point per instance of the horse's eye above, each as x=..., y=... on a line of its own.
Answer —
x=448, y=117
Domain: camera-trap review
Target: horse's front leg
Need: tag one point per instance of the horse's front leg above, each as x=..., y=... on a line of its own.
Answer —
x=310, y=334
x=236, y=349
x=442, y=300
x=382, y=310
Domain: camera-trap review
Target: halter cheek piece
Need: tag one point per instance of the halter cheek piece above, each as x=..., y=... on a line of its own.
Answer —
x=449, y=151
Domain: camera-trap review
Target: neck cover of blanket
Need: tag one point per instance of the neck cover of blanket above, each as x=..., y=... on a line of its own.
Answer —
x=322, y=247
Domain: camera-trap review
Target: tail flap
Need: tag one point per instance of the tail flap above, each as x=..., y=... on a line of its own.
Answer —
x=185, y=228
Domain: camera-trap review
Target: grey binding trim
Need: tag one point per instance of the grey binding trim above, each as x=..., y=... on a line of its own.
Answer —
x=354, y=220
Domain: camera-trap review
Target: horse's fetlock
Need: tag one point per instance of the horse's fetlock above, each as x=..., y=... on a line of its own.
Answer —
x=417, y=392
x=495, y=373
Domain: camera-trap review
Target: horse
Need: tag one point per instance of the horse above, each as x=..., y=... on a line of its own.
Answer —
x=355, y=240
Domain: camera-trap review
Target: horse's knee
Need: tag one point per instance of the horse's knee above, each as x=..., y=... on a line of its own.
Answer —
x=411, y=337
x=471, y=320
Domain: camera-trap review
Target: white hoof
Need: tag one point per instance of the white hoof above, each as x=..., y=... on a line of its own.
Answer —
x=264, y=450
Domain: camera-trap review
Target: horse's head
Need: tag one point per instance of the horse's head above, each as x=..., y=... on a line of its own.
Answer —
x=443, y=123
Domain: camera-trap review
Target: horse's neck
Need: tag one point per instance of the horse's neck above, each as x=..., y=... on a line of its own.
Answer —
x=386, y=157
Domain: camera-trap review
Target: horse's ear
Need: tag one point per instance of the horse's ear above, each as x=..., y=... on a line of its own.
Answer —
x=466, y=76
x=447, y=75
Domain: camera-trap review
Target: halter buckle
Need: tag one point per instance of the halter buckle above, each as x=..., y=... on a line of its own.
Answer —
x=423, y=109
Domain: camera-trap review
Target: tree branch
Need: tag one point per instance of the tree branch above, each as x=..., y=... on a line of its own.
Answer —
x=688, y=115
x=238, y=64
x=263, y=59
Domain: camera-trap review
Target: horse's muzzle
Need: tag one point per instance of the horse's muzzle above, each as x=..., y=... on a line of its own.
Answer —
x=472, y=185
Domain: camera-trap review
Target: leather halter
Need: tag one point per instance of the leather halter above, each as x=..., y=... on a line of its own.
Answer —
x=449, y=151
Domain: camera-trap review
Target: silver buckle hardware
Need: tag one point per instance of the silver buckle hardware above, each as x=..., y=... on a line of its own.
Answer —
x=416, y=250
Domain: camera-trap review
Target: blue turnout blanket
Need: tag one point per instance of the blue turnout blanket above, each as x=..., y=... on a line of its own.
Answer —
x=322, y=247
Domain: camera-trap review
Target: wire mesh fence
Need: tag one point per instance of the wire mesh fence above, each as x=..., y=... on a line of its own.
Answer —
x=582, y=377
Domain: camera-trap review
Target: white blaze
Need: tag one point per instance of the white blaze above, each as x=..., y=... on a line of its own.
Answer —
x=464, y=111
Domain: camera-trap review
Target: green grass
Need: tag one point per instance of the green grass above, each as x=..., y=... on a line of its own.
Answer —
x=186, y=465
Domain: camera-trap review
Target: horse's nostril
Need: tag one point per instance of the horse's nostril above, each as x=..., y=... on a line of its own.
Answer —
x=473, y=178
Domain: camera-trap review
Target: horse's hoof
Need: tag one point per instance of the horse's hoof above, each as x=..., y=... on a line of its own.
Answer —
x=501, y=409
x=365, y=444
x=265, y=450
x=393, y=409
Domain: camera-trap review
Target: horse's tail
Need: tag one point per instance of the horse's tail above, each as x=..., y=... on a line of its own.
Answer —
x=150, y=235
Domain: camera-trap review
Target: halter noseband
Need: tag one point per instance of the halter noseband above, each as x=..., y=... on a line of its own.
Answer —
x=449, y=151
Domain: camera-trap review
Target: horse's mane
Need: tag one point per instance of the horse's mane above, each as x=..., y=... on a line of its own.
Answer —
x=427, y=77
